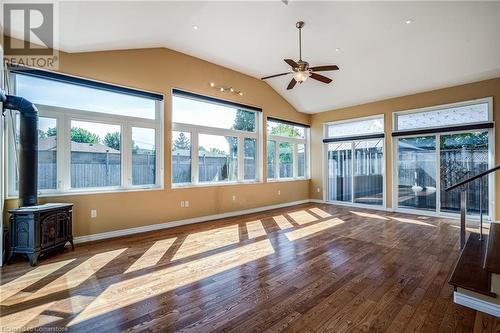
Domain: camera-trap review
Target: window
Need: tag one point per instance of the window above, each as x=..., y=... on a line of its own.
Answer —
x=470, y=113
x=95, y=154
x=181, y=157
x=92, y=136
x=143, y=156
x=454, y=143
x=223, y=136
x=355, y=161
x=287, y=145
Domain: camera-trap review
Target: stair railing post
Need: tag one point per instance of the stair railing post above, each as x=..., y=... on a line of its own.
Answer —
x=480, y=208
x=463, y=214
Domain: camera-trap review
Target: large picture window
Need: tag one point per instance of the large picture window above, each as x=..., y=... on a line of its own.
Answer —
x=355, y=161
x=92, y=136
x=287, y=149
x=213, y=141
x=438, y=147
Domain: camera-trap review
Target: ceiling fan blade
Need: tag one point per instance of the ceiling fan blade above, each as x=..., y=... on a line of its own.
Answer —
x=270, y=76
x=291, y=84
x=291, y=63
x=321, y=78
x=325, y=68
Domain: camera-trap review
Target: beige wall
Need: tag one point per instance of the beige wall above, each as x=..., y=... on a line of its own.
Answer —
x=160, y=70
x=488, y=88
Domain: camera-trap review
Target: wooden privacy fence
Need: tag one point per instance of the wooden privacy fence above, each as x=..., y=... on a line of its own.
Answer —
x=96, y=169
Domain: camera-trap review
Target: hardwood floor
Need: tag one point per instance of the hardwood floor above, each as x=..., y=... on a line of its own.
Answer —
x=311, y=267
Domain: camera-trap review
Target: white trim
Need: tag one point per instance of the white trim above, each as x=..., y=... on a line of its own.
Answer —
x=353, y=205
x=171, y=224
x=476, y=304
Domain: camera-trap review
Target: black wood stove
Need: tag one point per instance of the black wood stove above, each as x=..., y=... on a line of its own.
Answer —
x=34, y=229
x=41, y=229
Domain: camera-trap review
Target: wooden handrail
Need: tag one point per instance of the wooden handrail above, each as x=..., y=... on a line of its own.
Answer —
x=482, y=174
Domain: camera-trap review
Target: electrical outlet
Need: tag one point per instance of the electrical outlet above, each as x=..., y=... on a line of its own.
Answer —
x=93, y=213
x=234, y=198
x=186, y=203
x=318, y=190
x=182, y=203
x=279, y=192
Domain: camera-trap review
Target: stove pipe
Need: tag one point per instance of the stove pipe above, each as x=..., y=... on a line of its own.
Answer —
x=28, y=147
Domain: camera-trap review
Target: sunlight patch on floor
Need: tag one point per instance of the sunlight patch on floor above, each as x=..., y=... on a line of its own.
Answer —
x=13, y=287
x=412, y=221
x=255, y=229
x=371, y=216
x=77, y=275
x=18, y=321
x=312, y=229
x=282, y=222
x=152, y=256
x=158, y=282
x=204, y=241
x=302, y=217
x=321, y=213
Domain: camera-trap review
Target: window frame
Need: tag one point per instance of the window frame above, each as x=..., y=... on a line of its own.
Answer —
x=64, y=116
x=438, y=133
x=294, y=142
x=196, y=130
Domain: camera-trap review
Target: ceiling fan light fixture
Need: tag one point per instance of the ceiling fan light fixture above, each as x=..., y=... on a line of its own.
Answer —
x=301, y=76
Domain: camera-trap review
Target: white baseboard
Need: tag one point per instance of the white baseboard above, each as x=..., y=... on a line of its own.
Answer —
x=352, y=205
x=477, y=304
x=171, y=224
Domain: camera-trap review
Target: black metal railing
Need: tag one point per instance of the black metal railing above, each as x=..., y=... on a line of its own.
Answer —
x=463, y=202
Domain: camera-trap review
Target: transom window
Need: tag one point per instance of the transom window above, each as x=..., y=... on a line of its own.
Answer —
x=287, y=150
x=213, y=141
x=91, y=138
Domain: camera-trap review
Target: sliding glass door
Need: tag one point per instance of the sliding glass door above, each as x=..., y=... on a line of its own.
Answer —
x=355, y=172
x=339, y=178
x=417, y=172
x=427, y=165
x=463, y=155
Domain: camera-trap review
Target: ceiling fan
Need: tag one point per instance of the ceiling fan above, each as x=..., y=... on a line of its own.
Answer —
x=301, y=70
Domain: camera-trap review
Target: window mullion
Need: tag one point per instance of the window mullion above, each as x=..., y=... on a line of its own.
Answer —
x=194, y=157
x=295, y=160
x=241, y=158
x=64, y=153
x=126, y=155
x=276, y=160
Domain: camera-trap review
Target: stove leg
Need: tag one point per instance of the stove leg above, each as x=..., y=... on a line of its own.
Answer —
x=33, y=257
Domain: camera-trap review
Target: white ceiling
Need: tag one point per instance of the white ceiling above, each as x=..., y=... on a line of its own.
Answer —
x=381, y=56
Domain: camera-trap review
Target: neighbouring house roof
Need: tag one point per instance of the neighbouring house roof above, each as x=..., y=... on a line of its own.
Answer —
x=49, y=144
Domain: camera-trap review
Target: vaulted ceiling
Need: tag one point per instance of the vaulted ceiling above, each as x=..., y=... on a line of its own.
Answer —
x=383, y=49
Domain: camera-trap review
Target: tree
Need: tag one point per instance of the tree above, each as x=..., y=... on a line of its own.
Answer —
x=112, y=140
x=182, y=142
x=244, y=121
x=286, y=130
x=51, y=131
x=217, y=151
x=82, y=135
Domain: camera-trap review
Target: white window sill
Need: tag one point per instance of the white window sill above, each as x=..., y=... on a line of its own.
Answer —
x=189, y=185
x=282, y=180
x=93, y=191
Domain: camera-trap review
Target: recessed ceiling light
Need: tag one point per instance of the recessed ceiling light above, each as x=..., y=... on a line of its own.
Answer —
x=337, y=49
x=409, y=21
x=195, y=27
